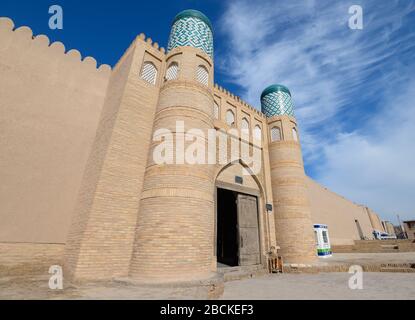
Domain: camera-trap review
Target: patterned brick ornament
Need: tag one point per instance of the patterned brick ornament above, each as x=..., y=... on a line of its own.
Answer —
x=191, y=32
x=277, y=103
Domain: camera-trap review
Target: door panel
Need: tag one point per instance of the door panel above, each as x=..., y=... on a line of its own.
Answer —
x=249, y=252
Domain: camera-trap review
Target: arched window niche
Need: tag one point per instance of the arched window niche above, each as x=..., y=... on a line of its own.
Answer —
x=230, y=118
x=202, y=75
x=216, y=111
x=172, y=72
x=295, y=134
x=149, y=72
x=275, y=134
x=258, y=133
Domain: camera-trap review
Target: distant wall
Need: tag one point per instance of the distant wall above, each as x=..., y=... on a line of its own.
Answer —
x=410, y=229
x=376, y=246
x=339, y=214
x=375, y=220
x=389, y=228
x=50, y=102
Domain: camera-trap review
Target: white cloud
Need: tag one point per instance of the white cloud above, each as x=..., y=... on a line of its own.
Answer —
x=378, y=168
x=337, y=77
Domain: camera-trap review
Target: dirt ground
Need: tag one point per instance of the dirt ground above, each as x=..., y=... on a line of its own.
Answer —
x=276, y=287
x=271, y=287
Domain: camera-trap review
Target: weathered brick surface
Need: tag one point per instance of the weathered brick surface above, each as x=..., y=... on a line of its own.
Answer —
x=174, y=235
x=102, y=233
x=17, y=259
x=293, y=224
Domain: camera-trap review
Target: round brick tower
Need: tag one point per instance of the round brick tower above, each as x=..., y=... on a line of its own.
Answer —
x=294, y=227
x=175, y=227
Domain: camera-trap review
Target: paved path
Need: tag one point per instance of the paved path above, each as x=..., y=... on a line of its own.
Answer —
x=323, y=286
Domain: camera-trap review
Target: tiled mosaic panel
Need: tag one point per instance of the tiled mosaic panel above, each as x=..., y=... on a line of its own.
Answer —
x=191, y=32
x=277, y=103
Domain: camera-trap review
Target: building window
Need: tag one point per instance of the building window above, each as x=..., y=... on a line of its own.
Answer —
x=245, y=124
x=275, y=134
x=295, y=134
x=245, y=134
x=216, y=110
x=172, y=71
x=230, y=118
x=202, y=75
x=149, y=72
x=258, y=133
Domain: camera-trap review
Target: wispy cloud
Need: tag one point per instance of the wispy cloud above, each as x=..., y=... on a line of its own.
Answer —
x=345, y=84
x=377, y=168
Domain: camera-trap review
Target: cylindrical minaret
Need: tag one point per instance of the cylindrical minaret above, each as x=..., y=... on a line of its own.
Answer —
x=174, y=235
x=294, y=228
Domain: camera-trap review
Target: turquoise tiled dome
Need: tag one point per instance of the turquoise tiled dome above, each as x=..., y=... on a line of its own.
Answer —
x=191, y=28
x=276, y=101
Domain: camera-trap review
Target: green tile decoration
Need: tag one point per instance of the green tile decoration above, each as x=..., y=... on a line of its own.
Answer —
x=276, y=100
x=192, y=28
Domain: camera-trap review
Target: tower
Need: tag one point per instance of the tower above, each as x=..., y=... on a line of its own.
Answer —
x=294, y=228
x=176, y=217
x=101, y=236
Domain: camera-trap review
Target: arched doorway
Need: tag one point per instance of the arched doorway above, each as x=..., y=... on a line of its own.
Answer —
x=238, y=221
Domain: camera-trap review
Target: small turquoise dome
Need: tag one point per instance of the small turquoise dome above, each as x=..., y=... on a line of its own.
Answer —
x=191, y=28
x=275, y=88
x=195, y=14
x=276, y=101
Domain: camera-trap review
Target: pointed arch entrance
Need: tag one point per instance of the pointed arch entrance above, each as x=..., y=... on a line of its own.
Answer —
x=239, y=226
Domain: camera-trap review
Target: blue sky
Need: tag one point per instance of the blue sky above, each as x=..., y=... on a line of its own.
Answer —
x=354, y=90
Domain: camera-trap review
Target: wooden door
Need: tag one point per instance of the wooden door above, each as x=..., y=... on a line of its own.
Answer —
x=248, y=227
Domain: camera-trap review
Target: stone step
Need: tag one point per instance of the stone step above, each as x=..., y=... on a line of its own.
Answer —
x=398, y=270
x=239, y=273
x=399, y=265
x=239, y=268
